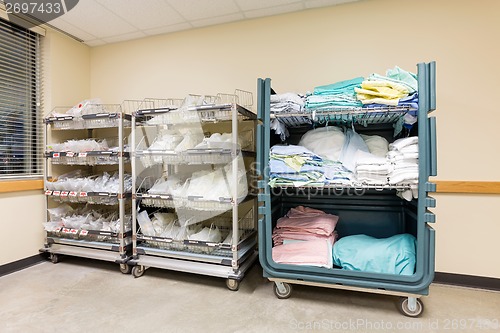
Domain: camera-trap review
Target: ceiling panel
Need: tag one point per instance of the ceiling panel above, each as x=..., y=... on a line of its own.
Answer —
x=144, y=14
x=99, y=22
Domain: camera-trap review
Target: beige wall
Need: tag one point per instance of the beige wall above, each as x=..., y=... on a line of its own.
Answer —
x=314, y=47
x=66, y=72
x=299, y=51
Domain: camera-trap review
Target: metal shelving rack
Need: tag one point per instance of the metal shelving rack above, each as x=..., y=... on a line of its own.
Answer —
x=235, y=217
x=114, y=246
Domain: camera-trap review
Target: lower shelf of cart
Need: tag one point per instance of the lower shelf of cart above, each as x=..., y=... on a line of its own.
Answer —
x=110, y=245
x=218, y=256
x=76, y=250
x=195, y=267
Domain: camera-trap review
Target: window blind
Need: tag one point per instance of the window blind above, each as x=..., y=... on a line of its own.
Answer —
x=21, y=132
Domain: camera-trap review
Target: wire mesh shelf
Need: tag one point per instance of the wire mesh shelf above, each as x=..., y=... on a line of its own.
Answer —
x=194, y=203
x=363, y=116
x=92, y=116
x=190, y=156
x=98, y=198
x=89, y=235
x=87, y=158
x=246, y=233
x=355, y=186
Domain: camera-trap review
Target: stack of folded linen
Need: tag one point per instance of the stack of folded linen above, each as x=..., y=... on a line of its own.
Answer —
x=336, y=173
x=294, y=165
x=283, y=104
x=336, y=95
x=372, y=169
x=305, y=237
x=287, y=103
x=398, y=87
x=403, y=154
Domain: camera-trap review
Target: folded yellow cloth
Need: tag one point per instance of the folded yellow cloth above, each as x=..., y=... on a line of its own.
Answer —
x=381, y=92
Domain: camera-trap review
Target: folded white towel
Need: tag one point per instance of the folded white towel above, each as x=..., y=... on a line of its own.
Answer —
x=401, y=143
x=364, y=158
x=409, y=149
x=398, y=156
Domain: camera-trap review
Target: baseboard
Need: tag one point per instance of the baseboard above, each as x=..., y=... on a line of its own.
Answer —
x=21, y=264
x=470, y=281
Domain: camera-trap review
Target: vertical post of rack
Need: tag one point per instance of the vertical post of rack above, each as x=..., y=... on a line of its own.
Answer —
x=234, y=155
x=134, y=190
x=121, y=190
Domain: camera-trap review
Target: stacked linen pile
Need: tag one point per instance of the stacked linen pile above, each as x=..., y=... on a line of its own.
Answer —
x=403, y=154
x=305, y=236
x=398, y=87
x=337, y=95
x=372, y=169
x=294, y=165
x=287, y=103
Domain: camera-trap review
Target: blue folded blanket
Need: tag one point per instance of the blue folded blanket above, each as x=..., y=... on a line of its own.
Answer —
x=393, y=255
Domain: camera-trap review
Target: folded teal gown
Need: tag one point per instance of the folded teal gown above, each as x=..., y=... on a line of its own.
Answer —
x=393, y=255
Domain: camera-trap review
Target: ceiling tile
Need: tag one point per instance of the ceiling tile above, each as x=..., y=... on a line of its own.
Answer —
x=259, y=4
x=167, y=29
x=274, y=10
x=197, y=10
x=324, y=3
x=97, y=20
x=154, y=14
x=69, y=28
x=218, y=20
x=124, y=37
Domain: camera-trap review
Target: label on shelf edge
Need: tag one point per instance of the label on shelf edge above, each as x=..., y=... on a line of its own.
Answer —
x=64, y=193
x=48, y=192
x=66, y=230
x=82, y=154
x=84, y=233
x=73, y=231
x=73, y=194
x=56, y=155
x=56, y=193
x=83, y=194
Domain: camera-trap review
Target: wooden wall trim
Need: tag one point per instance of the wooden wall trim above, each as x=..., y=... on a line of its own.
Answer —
x=20, y=185
x=449, y=186
x=442, y=186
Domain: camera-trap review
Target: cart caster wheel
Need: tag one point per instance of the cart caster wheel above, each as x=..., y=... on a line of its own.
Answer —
x=54, y=258
x=404, y=308
x=284, y=292
x=125, y=269
x=138, y=271
x=232, y=284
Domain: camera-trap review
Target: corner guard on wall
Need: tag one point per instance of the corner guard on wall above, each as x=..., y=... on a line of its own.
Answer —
x=475, y=187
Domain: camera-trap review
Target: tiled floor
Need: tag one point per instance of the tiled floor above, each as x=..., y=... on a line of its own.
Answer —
x=79, y=295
